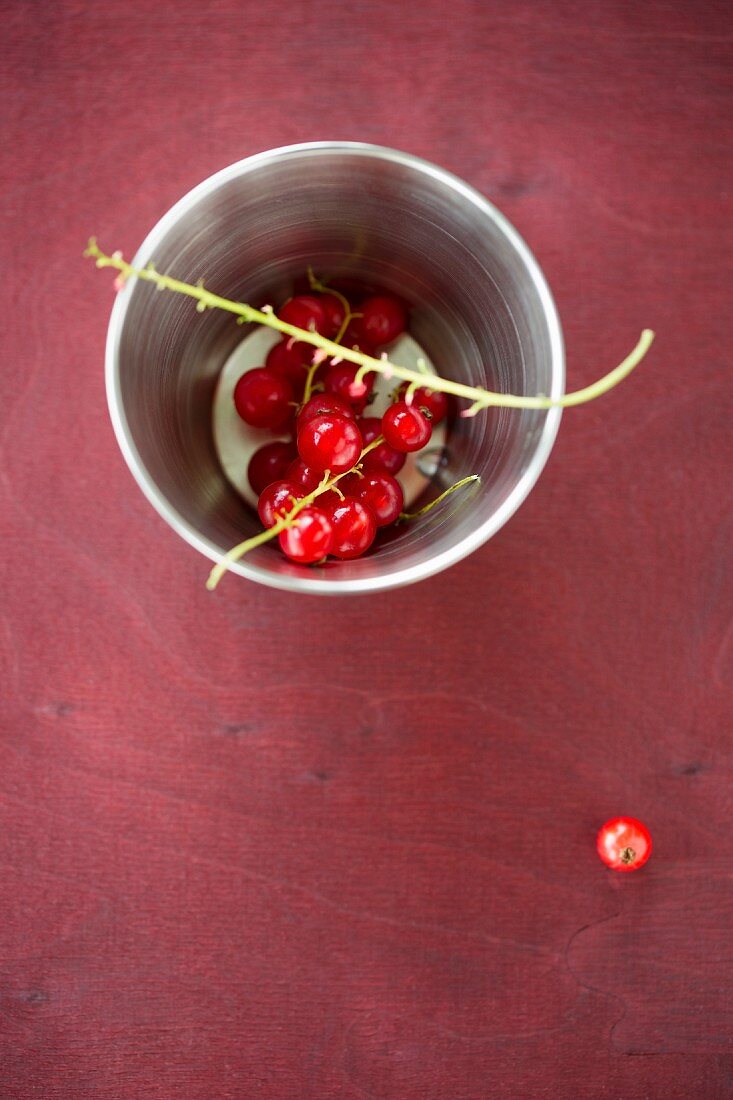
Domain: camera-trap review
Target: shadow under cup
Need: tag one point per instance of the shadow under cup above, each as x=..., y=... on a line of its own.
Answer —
x=479, y=307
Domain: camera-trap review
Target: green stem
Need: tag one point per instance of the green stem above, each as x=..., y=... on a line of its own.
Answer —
x=427, y=507
x=315, y=284
x=309, y=383
x=480, y=398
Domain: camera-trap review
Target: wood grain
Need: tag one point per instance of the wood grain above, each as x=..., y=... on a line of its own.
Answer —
x=260, y=845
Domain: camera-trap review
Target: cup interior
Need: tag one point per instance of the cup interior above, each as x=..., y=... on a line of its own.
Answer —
x=479, y=305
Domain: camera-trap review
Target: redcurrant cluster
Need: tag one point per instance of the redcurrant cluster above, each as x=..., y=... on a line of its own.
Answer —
x=338, y=457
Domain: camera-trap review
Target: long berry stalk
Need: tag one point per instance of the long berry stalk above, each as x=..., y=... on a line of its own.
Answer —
x=480, y=398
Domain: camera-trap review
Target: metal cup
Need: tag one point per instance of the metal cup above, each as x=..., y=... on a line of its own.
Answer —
x=480, y=306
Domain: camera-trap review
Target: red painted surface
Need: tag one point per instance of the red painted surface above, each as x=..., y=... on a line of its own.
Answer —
x=260, y=845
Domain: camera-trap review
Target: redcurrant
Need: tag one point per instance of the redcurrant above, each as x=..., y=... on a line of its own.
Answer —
x=434, y=401
x=269, y=464
x=276, y=500
x=349, y=484
x=290, y=359
x=309, y=538
x=334, y=314
x=382, y=494
x=329, y=500
x=304, y=476
x=624, y=844
x=382, y=457
x=382, y=319
x=320, y=404
x=304, y=311
x=330, y=442
x=370, y=427
x=341, y=381
x=354, y=528
x=354, y=338
x=263, y=398
x=405, y=428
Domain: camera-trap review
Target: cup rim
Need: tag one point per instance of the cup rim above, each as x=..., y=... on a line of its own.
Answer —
x=314, y=585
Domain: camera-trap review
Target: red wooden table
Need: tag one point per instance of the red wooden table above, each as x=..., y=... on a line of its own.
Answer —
x=260, y=845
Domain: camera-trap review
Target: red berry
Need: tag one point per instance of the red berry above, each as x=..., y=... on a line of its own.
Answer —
x=341, y=381
x=357, y=342
x=329, y=500
x=320, y=404
x=433, y=400
x=330, y=442
x=304, y=311
x=304, y=476
x=276, y=500
x=290, y=362
x=354, y=528
x=382, y=457
x=370, y=427
x=624, y=844
x=263, y=398
x=288, y=355
x=382, y=319
x=405, y=428
x=348, y=485
x=382, y=494
x=310, y=537
x=334, y=313
x=269, y=464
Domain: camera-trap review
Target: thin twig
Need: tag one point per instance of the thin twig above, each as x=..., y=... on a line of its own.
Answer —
x=480, y=398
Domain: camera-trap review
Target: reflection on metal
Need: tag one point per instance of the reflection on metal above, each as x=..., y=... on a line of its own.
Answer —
x=431, y=459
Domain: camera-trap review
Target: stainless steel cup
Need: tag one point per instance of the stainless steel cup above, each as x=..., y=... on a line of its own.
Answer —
x=480, y=307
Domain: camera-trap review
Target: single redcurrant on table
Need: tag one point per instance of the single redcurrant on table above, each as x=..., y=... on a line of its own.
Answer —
x=269, y=464
x=330, y=442
x=310, y=537
x=624, y=844
x=405, y=427
x=263, y=399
